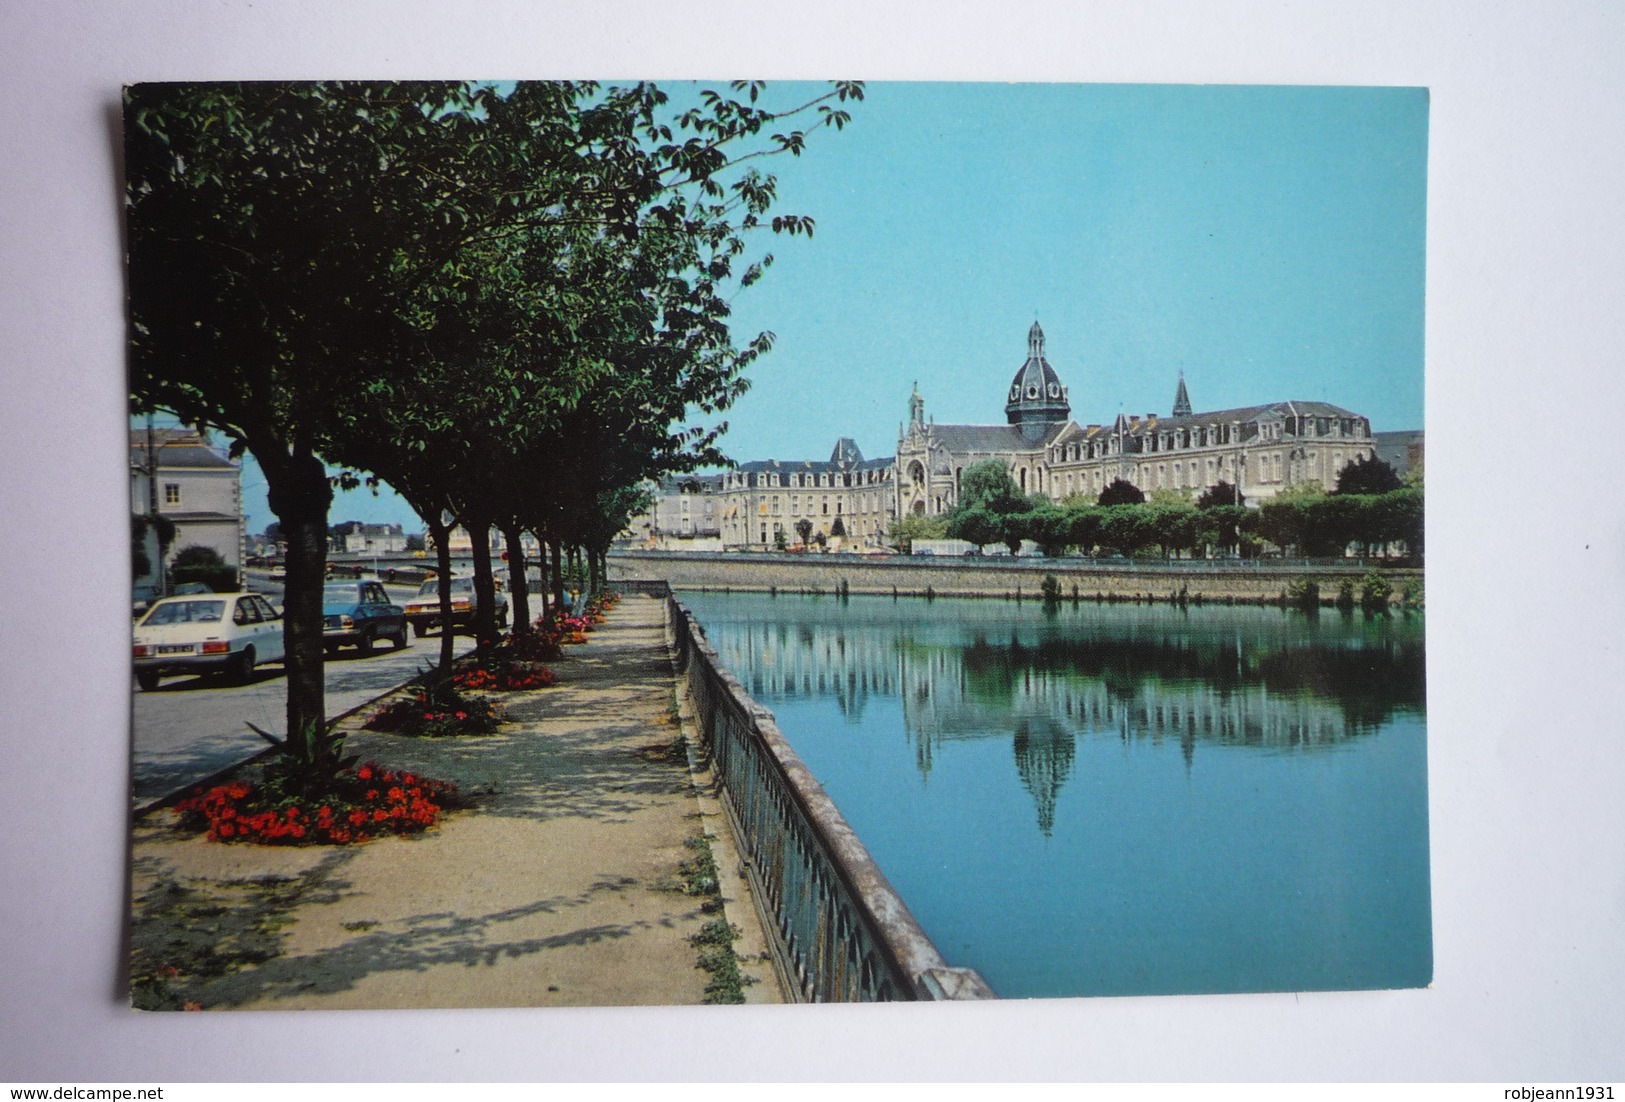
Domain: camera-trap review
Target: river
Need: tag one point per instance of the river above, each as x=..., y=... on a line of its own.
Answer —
x=1117, y=799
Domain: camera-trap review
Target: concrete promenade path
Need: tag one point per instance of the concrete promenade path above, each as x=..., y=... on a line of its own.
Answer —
x=561, y=886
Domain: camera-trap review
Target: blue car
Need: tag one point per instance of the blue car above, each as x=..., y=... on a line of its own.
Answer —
x=359, y=614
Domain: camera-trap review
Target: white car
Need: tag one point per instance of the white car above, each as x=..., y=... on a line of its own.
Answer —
x=230, y=632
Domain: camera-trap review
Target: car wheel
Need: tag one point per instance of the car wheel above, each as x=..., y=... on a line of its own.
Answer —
x=420, y=629
x=400, y=638
x=364, y=643
x=243, y=668
x=147, y=679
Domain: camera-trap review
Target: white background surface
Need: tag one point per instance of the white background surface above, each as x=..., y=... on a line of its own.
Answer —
x=1524, y=318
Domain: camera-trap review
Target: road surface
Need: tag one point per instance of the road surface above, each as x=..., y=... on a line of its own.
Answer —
x=191, y=727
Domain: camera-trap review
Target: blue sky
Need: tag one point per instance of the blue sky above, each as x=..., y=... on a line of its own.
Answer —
x=1266, y=241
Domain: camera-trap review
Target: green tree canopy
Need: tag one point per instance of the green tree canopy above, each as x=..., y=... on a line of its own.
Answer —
x=1367, y=475
x=1219, y=494
x=469, y=260
x=1121, y=492
x=987, y=485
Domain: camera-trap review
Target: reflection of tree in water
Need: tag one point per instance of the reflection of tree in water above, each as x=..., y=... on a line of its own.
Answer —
x=1044, y=754
x=1272, y=683
x=1367, y=681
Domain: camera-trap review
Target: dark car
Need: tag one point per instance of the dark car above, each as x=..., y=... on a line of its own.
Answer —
x=360, y=614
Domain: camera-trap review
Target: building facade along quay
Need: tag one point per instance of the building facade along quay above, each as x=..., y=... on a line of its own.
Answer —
x=853, y=502
x=1260, y=449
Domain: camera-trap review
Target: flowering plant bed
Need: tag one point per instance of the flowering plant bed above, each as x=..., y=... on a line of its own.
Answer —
x=540, y=644
x=361, y=804
x=505, y=675
x=438, y=710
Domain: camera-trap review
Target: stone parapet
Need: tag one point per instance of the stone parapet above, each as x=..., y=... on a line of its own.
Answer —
x=996, y=577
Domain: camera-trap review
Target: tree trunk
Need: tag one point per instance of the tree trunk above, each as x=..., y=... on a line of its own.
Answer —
x=519, y=593
x=441, y=534
x=485, y=607
x=558, y=576
x=299, y=495
x=548, y=608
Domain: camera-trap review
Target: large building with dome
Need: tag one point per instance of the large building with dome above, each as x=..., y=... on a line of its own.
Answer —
x=1259, y=448
x=849, y=501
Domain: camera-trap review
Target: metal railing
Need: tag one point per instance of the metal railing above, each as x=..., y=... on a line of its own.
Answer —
x=841, y=931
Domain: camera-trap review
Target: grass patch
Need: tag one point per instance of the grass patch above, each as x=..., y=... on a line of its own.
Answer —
x=715, y=941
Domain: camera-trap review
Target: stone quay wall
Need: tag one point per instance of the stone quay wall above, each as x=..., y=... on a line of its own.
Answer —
x=995, y=576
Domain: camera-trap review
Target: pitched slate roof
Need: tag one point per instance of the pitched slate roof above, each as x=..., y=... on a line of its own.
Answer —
x=175, y=448
x=991, y=438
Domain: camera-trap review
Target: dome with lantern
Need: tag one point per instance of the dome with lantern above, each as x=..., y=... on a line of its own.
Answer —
x=1036, y=393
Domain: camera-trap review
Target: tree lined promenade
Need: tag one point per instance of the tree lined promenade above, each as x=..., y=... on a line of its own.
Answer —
x=504, y=301
x=575, y=879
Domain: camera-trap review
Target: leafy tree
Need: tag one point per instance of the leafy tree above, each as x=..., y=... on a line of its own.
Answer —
x=1221, y=526
x=906, y=530
x=1121, y=492
x=1126, y=528
x=1167, y=497
x=1049, y=527
x=1173, y=527
x=804, y=530
x=978, y=525
x=1084, y=525
x=987, y=484
x=197, y=563
x=140, y=524
x=1012, y=529
x=1221, y=493
x=1367, y=475
x=296, y=250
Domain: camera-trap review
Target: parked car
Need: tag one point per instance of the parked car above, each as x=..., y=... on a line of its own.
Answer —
x=423, y=611
x=190, y=589
x=359, y=614
x=223, y=632
x=142, y=597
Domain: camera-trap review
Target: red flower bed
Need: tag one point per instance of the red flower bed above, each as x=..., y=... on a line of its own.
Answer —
x=438, y=712
x=505, y=676
x=363, y=804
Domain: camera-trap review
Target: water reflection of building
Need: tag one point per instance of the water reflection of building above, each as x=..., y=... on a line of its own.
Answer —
x=791, y=662
x=1047, y=696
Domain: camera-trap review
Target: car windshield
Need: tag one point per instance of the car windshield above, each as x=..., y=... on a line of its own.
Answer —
x=457, y=585
x=338, y=594
x=185, y=612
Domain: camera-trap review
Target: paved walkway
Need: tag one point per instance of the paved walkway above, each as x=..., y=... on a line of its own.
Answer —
x=561, y=887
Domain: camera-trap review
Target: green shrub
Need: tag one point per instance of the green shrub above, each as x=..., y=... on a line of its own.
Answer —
x=1345, y=595
x=1374, y=591
x=1304, y=594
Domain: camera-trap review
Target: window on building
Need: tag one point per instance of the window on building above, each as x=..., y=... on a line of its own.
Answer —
x=172, y=493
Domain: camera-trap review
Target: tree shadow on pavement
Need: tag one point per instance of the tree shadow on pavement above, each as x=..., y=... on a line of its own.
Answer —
x=426, y=941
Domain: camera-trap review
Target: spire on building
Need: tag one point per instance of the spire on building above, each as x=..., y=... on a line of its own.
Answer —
x=1182, y=399
x=916, y=407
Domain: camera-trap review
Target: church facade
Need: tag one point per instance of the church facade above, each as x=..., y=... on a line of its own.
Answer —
x=1261, y=449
